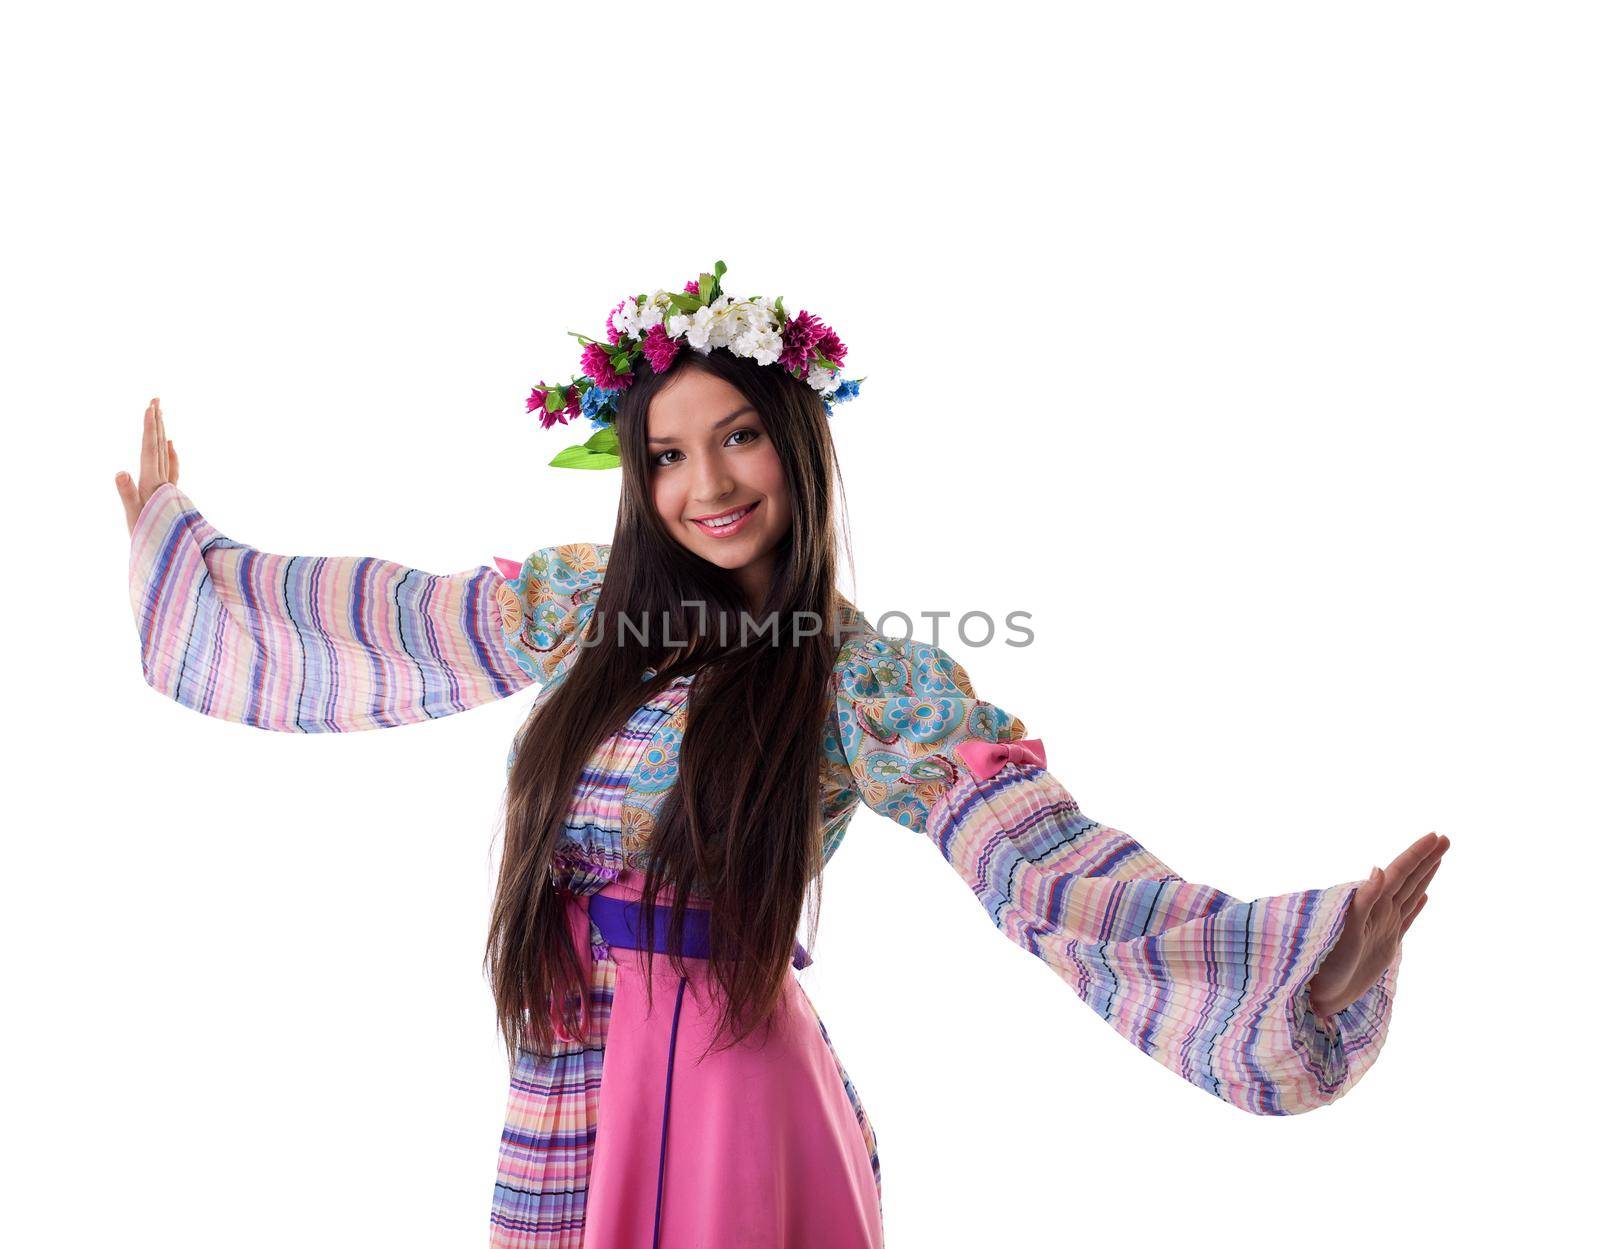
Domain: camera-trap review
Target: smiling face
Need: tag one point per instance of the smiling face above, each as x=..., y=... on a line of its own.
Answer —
x=715, y=476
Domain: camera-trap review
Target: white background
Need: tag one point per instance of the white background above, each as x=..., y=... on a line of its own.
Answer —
x=1250, y=347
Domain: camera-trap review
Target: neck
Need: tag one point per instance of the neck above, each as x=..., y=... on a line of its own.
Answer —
x=755, y=579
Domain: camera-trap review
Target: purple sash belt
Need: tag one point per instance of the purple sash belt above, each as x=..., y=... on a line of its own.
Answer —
x=620, y=922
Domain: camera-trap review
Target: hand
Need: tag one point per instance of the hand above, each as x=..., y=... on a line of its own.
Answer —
x=158, y=464
x=1384, y=906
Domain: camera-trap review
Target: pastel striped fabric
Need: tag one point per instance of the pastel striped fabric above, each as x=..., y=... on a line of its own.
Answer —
x=1214, y=988
x=541, y=1189
x=309, y=644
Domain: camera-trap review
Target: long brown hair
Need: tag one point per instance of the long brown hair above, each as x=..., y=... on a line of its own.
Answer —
x=741, y=828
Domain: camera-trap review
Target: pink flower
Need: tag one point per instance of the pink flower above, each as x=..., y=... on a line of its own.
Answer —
x=597, y=364
x=547, y=419
x=829, y=347
x=660, y=348
x=612, y=332
x=574, y=405
x=693, y=288
x=800, y=335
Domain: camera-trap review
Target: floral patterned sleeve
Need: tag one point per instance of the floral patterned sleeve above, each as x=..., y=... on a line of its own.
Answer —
x=1213, y=987
x=545, y=603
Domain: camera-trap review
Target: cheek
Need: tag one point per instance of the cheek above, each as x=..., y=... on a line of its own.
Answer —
x=667, y=497
x=767, y=477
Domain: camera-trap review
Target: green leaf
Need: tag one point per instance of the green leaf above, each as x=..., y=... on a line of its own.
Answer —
x=777, y=306
x=685, y=303
x=582, y=457
x=604, y=439
x=553, y=401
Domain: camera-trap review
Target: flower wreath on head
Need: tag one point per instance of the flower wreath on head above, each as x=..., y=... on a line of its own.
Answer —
x=656, y=327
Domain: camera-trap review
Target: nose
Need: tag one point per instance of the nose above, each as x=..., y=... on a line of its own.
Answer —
x=712, y=484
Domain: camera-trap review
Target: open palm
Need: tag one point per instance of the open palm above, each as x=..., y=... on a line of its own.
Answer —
x=1384, y=907
x=158, y=464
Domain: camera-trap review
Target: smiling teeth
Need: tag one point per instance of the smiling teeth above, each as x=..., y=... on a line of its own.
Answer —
x=725, y=520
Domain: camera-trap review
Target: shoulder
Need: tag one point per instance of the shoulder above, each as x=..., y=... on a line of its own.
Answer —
x=871, y=664
x=902, y=708
x=545, y=602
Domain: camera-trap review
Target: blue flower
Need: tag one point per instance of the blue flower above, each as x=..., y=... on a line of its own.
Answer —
x=595, y=401
x=842, y=393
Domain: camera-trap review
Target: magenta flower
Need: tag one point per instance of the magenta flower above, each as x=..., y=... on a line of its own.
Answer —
x=536, y=401
x=574, y=405
x=800, y=335
x=597, y=364
x=660, y=348
x=693, y=288
x=829, y=346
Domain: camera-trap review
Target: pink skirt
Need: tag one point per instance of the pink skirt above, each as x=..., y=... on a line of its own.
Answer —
x=753, y=1147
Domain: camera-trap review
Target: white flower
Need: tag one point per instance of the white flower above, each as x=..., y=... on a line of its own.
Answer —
x=824, y=379
x=699, y=331
x=625, y=319
x=758, y=314
x=650, y=314
x=761, y=344
x=677, y=324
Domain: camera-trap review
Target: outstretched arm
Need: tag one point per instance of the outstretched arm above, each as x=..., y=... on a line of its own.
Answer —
x=1215, y=988
x=303, y=644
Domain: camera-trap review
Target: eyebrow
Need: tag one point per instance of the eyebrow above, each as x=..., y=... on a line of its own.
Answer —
x=731, y=417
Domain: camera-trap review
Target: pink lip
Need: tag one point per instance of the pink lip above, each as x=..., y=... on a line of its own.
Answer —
x=726, y=531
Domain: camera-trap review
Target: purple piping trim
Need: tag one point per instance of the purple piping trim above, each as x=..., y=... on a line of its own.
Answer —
x=666, y=1105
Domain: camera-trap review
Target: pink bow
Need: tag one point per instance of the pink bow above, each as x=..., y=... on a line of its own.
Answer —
x=984, y=759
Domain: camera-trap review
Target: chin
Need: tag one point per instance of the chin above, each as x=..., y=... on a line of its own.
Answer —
x=729, y=555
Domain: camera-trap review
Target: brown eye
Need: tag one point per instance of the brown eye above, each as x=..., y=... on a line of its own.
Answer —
x=754, y=434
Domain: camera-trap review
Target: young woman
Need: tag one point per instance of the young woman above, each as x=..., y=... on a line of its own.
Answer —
x=711, y=712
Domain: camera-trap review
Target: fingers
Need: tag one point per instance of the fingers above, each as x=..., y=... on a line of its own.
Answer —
x=161, y=441
x=1416, y=910
x=130, y=499
x=149, y=459
x=158, y=458
x=1407, y=895
x=1415, y=861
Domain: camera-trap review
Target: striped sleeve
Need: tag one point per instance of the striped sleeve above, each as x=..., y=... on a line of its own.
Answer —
x=1213, y=987
x=309, y=644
